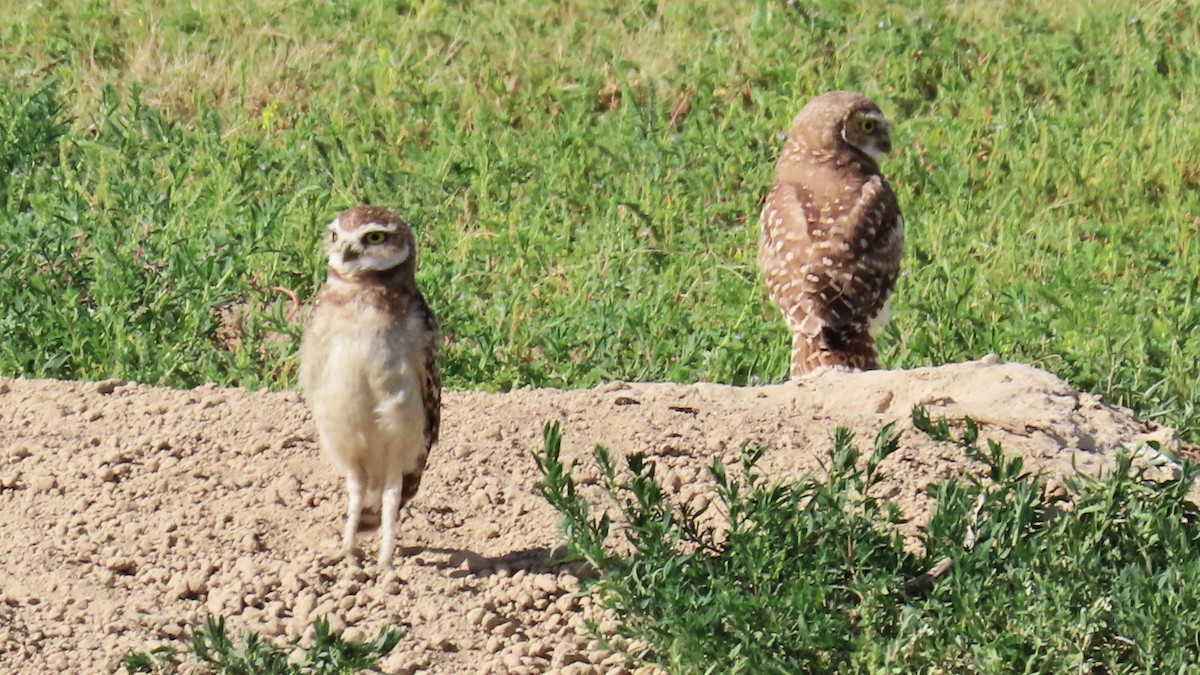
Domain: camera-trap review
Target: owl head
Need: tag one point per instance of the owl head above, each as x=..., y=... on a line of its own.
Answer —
x=369, y=240
x=845, y=118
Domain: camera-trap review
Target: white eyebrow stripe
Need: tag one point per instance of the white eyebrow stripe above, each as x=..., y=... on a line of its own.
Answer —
x=880, y=118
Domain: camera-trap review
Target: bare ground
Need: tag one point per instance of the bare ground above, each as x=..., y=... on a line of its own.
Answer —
x=128, y=512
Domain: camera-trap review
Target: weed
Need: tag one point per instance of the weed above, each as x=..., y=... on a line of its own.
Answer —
x=812, y=576
x=212, y=649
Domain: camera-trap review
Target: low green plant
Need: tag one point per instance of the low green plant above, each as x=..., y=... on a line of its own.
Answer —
x=211, y=647
x=813, y=576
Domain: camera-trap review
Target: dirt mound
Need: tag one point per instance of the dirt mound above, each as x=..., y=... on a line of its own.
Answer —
x=129, y=512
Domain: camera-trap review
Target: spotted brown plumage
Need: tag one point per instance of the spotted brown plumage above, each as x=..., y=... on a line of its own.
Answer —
x=369, y=368
x=832, y=233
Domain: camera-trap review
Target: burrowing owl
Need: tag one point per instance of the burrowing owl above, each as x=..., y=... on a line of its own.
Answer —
x=832, y=233
x=369, y=368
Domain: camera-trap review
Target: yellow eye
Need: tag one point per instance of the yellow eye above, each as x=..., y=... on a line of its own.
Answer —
x=332, y=236
x=868, y=125
x=376, y=237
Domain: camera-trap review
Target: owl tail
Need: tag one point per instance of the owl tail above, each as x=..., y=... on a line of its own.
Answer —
x=852, y=348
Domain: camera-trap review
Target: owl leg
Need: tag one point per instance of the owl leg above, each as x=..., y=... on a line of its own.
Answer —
x=389, y=512
x=355, y=490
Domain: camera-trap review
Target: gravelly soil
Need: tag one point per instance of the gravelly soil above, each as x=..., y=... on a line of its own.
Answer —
x=128, y=512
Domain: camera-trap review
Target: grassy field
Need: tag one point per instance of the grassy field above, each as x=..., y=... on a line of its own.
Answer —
x=585, y=179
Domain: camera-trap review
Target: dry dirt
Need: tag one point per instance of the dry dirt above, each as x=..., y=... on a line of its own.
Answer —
x=128, y=512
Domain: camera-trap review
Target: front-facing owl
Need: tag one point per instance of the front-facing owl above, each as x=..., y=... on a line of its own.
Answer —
x=832, y=233
x=369, y=368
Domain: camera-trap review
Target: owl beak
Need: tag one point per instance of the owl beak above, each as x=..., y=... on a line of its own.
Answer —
x=350, y=253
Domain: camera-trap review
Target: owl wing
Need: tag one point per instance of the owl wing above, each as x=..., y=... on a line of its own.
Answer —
x=875, y=232
x=431, y=382
x=789, y=235
x=783, y=242
x=833, y=274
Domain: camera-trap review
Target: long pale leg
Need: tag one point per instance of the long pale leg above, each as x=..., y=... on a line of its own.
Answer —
x=390, y=510
x=355, y=490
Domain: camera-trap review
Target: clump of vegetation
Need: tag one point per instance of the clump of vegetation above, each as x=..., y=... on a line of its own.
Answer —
x=812, y=577
x=591, y=213
x=210, y=649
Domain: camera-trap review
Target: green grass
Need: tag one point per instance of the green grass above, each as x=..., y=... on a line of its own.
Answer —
x=162, y=162
x=810, y=577
x=210, y=649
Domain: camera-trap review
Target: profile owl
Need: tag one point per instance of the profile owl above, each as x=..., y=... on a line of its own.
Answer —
x=832, y=233
x=369, y=368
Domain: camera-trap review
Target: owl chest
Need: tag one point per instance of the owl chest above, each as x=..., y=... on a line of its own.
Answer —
x=359, y=352
x=366, y=350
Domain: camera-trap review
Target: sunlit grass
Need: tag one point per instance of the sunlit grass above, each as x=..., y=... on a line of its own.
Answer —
x=585, y=180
